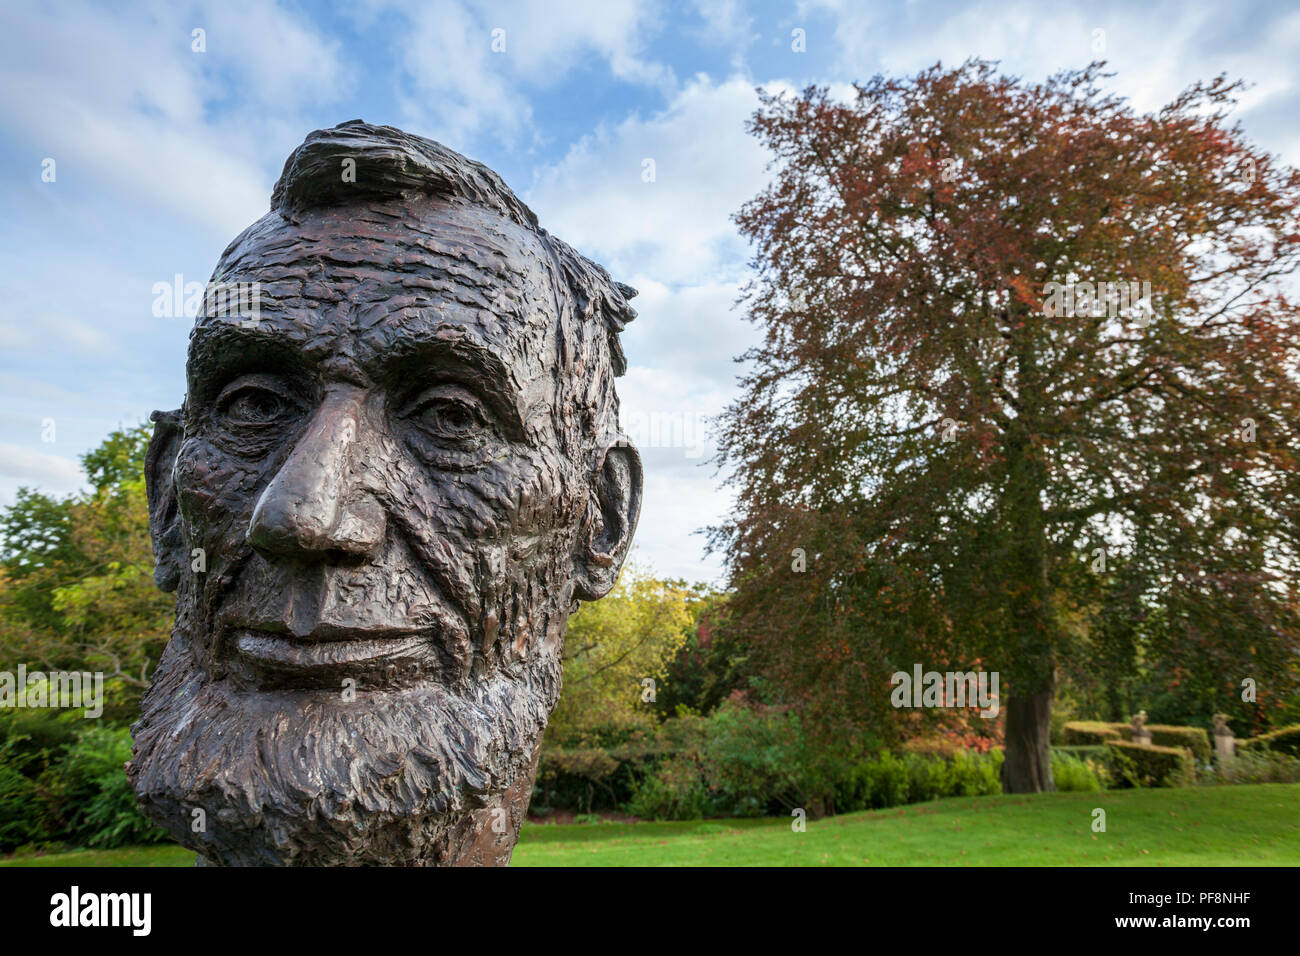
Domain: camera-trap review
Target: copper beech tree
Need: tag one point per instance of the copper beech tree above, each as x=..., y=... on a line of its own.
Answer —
x=1030, y=367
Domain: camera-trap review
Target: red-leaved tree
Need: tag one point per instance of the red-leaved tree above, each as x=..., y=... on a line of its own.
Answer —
x=1031, y=366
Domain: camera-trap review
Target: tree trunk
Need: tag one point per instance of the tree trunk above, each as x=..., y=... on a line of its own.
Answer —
x=1028, y=764
x=1032, y=654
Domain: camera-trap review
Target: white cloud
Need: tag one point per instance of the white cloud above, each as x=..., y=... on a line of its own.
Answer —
x=674, y=240
x=1156, y=50
x=550, y=39
x=121, y=101
x=50, y=473
x=678, y=228
x=674, y=510
x=667, y=414
x=692, y=332
x=460, y=86
x=40, y=332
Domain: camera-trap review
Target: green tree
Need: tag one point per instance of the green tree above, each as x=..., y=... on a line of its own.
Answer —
x=76, y=575
x=614, y=649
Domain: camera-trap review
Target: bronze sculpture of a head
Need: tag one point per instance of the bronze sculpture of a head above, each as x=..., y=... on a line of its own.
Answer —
x=385, y=493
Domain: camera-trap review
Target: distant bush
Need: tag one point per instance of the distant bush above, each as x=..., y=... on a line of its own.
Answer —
x=20, y=819
x=1091, y=733
x=591, y=777
x=68, y=785
x=883, y=781
x=1150, y=766
x=743, y=760
x=1284, y=740
x=1194, y=739
x=1257, y=766
x=1083, y=752
x=90, y=796
x=1100, y=732
x=738, y=761
x=1080, y=774
x=756, y=760
x=889, y=780
x=674, y=791
x=34, y=738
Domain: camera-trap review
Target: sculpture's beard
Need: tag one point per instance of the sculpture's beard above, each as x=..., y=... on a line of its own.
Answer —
x=307, y=777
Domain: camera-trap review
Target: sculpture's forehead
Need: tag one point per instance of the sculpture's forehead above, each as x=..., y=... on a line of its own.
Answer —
x=354, y=285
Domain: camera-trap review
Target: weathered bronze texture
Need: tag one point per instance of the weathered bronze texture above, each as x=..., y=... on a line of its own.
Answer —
x=389, y=486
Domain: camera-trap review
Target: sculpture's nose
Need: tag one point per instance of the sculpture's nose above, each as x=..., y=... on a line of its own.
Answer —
x=312, y=506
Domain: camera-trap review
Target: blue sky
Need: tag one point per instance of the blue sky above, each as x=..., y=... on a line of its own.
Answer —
x=162, y=154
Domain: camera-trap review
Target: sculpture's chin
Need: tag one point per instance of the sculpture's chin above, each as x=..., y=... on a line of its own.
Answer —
x=420, y=774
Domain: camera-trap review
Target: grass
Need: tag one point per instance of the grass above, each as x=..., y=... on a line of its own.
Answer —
x=164, y=854
x=1250, y=825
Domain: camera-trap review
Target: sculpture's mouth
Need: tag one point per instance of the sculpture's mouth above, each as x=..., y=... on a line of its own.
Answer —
x=388, y=656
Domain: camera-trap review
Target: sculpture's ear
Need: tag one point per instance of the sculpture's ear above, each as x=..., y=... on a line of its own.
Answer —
x=613, y=511
x=164, y=517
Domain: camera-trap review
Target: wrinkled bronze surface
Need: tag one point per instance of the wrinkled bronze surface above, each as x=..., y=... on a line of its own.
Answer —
x=388, y=488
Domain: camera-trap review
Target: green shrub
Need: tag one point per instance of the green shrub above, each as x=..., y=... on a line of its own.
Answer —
x=1079, y=774
x=1258, y=766
x=927, y=777
x=1091, y=733
x=876, y=783
x=36, y=737
x=591, y=774
x=1194, y=739
x=754, y=759
x=1284, y=740
x=1100, y=732
x=20, y=817
x=740, y=760
x=674, y=791
x=1150, y=766
x=887, y=780
x=90, y=795
x=1082, y=752
x=743, y=760
x=973, y=774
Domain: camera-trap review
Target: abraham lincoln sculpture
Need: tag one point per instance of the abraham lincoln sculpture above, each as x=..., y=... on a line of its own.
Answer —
x=384, y=495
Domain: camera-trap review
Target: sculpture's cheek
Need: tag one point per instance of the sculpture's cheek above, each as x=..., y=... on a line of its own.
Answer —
x=215, y=495
x=523, y=492
x=515, y=525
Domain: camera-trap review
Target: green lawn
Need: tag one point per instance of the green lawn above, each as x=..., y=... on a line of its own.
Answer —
x=1196, y=826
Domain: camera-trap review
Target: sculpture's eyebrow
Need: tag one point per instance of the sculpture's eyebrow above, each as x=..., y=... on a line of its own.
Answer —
x=420, y=359
x=220, y=349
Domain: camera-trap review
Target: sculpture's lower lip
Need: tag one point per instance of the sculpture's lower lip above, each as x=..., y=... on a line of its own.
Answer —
x=283, y=652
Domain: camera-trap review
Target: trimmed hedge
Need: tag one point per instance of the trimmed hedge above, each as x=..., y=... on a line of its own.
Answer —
x=1089, y=733
x=1150, y=766
x=1284, y=740
x=1194, y=739
x=1099, y=732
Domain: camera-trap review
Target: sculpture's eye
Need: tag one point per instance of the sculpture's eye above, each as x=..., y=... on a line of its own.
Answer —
x=448, y=413
x=253, y=404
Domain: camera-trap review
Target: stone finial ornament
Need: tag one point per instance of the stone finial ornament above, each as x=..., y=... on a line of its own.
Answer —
x=390, y=484
x=1225, y=742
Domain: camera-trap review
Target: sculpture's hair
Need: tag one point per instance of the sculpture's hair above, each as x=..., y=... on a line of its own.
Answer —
x=391, y=164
